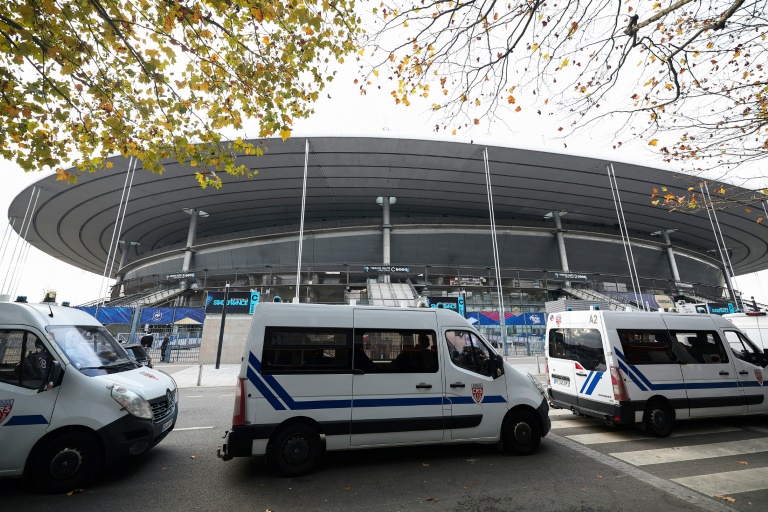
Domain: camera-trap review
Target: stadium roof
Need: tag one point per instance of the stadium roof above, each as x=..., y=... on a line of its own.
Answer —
x=430, y=179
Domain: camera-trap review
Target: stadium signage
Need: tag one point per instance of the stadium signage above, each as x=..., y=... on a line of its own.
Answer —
x=571, y=277
x=386, y=269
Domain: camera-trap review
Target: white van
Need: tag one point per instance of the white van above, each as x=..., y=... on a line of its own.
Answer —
x=71, y=399
x=628, y=367
x=754, y=324
x=322, y=377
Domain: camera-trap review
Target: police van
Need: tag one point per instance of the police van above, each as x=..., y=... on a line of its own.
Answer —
x=654, y=368
x=317, y=378
x=71, y=399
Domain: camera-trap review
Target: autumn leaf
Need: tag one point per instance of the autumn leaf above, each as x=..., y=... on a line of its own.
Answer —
x=743, y=462
x=759, y=220
x=510, y=99
x=653, y=142
x=518, y=109
x=655, y=191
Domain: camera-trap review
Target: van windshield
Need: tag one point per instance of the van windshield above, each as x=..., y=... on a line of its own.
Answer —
x=90, y=349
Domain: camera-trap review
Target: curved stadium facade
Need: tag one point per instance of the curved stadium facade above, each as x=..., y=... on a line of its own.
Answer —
x=437, y=236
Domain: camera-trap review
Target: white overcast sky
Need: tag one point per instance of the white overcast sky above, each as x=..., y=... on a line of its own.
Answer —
x=342, y=111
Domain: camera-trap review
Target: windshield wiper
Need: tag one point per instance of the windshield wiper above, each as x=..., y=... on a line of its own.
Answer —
x=106, y=367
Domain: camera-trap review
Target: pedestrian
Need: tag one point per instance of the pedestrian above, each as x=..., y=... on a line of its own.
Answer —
x=165, y=349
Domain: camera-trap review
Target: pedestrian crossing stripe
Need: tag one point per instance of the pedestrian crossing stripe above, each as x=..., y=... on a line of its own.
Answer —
x=636, y=435
x=729, y=482
x=695, y=452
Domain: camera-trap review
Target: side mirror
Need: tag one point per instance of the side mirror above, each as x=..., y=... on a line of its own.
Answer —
x=498, y=366
x=54, y=377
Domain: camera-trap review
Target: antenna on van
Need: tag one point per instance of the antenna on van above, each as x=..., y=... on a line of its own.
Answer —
x=51, y=310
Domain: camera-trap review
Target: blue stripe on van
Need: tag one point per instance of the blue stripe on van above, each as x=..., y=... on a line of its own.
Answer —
x=463, y=400
x=253, y=360
x=264, y=390
x=631, y=376
x=32, y=419
x=584, y=386
x=681, y=385
x=591, y=388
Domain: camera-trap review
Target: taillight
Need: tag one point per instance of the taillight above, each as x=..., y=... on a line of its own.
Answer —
x=619, y=389
x=546, y=370
x=238, y=415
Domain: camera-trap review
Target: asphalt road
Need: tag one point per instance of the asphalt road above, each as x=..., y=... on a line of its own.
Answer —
x=568, y=473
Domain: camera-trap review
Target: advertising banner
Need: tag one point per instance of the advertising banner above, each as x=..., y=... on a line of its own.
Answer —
x=493, y=318
x=239, y=303
x=453, y=303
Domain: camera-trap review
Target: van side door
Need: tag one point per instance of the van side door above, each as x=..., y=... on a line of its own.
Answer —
x=396, y=383
x=561, y=367
x=25, y=405
x=478, y=401
x=748, y=360
x=710, y=376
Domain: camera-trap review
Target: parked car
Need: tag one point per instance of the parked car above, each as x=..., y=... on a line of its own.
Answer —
x=138, y=354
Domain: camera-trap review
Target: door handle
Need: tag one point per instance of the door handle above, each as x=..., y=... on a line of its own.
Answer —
x=724, y=373
x=742, y=372
x=423, y=386
x=457, y=385
x=583, y=374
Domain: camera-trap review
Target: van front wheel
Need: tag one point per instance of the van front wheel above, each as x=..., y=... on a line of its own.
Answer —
x=520, y=433
x=66, y=462
x=295, y=449
x=658, y=419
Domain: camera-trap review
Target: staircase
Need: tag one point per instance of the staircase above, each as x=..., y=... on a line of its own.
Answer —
x=613, y=304
x=148, y=298
x=391, y=294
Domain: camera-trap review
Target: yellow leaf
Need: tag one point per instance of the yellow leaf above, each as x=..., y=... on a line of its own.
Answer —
x=285, y=133
x=654, y=203
x=565, y=63
x=653, y=142
x=759, y=220
x=663, y=189
x=375, y=72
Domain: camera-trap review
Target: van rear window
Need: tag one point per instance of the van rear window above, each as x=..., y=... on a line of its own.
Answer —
x=646, y=346
x=585, y=346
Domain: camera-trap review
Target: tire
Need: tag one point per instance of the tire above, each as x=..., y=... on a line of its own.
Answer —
x=521, y=433
x=295, y=449
x=658, y=418
x=66, y=462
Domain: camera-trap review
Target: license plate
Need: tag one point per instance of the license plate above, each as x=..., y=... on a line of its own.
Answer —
x=168, y=424
x=561, y=382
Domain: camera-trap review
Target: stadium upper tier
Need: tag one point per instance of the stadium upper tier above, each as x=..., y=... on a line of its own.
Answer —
x=440, y=216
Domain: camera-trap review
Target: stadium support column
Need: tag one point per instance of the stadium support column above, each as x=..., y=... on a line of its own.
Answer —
x=670, y=255
x=560, y=240
x=386, y=228
x=126, y=246
x=191, y=234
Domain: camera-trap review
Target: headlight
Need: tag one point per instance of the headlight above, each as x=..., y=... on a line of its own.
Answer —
x=538, y=384
x=132, y=402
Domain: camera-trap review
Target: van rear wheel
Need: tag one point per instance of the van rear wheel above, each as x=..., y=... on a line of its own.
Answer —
x=658, y=418
x=295, y=449
x=66, y=462
x=521, y=433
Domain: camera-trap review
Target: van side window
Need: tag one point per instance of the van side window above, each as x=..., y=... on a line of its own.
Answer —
x=742, y=347
x=468, y=352
x=395, y=351
x=646, y=346
x=24, y=360
x=585, y=346
x=306, y=350
x=699, y=347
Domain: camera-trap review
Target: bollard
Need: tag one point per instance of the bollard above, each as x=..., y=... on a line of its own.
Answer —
x=200, y=374
x=538, y=367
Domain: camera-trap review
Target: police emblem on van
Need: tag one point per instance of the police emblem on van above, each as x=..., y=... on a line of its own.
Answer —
x=758, y=376
x=7, y=405
x=477, y=393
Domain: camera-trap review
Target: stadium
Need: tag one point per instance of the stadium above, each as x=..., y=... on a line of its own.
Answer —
x=389, y=220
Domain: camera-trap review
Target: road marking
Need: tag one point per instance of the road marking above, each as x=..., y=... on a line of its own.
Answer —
x=678, y=491
x=193, y=396
x=617, y=437
x=193, y=428
x=697, y=452
x=576, y=423
x=729, y=482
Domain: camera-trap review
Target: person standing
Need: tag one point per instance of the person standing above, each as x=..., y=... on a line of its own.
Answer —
x=165, y=348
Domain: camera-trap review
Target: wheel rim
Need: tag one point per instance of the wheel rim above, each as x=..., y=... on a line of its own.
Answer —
x=659, y=419
x=66, y=463
x=296, y=449
x=523, y=433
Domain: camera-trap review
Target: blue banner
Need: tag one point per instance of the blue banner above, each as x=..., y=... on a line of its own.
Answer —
x=110, y=315
x=492, y=318
x=156, y=316
x=196, y=314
